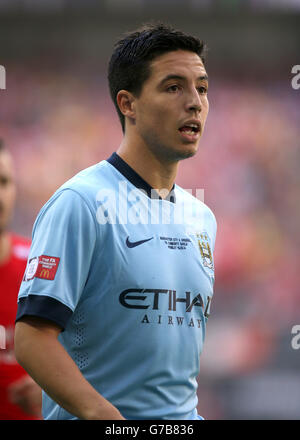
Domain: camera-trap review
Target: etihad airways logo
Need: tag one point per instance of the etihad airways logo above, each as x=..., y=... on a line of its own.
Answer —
x=162, y=299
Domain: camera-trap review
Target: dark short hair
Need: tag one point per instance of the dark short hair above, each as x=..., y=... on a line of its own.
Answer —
x=129, y=66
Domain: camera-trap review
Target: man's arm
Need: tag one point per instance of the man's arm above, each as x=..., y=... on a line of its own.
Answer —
x=39, y=352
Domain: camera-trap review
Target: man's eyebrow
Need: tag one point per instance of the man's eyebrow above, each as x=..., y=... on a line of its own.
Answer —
x=182, y=78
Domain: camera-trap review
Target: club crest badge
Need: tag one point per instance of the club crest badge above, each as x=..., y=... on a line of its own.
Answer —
x=205, y=251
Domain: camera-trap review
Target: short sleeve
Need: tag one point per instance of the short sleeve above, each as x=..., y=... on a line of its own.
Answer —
x=61, y=253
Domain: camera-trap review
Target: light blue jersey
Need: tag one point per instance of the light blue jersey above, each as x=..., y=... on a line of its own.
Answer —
x=129, y=279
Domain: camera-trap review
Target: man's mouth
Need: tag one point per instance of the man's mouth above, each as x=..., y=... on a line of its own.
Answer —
x=190, y=131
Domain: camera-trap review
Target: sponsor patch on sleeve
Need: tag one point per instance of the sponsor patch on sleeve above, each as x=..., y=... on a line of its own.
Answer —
x=44, y=267
x=47, y=267
x=31, y=269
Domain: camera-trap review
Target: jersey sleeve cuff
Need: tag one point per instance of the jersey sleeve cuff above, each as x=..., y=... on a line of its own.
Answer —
x=44, y=307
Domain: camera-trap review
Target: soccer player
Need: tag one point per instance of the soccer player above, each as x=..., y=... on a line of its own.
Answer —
x=20, y=396
x=113, y=306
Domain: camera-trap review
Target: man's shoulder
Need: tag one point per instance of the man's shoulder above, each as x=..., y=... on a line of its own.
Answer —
x=78, y=194
x=90, y=178
x=83, y=186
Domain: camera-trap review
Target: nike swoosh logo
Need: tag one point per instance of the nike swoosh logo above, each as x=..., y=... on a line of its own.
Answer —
x=132, y=244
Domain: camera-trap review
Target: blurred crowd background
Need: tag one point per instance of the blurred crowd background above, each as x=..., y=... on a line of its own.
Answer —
x=57, y=118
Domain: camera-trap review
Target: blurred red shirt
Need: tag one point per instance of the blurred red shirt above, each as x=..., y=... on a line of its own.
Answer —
x=11, y=274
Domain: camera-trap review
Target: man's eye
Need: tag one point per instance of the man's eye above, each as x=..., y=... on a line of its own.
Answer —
x=202, y=90
x=173, y=88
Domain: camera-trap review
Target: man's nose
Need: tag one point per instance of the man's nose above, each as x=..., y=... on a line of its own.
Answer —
x=194, y=101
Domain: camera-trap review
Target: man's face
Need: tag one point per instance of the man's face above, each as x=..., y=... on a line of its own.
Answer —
x=172, y=108
x=7, y=190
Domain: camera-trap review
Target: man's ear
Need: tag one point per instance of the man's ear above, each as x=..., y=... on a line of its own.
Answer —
x=126, y=103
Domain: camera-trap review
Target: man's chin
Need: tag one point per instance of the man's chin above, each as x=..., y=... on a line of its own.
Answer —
x=187, y=151
x=181, y=152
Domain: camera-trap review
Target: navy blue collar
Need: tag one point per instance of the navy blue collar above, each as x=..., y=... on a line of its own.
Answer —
x=136, y=179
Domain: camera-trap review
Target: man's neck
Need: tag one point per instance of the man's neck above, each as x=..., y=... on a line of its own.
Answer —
x=5, y=246
x=158, y=174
